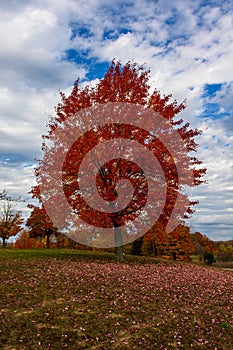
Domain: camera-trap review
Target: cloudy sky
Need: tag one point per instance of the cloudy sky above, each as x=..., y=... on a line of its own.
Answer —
x=188, y=45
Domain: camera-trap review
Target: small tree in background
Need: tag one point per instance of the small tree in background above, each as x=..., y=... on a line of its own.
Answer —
x=6, y=197
x=178, y=244
x=24, y=241
x=153, y=239
x=225, y=251
x=203, y=245
x=39, y=225
x=137, y=246
x=209, y=258
x=10, y=221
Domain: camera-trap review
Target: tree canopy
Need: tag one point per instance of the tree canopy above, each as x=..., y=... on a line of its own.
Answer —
x=125, y=85
x=40, y=225
x=10, y=221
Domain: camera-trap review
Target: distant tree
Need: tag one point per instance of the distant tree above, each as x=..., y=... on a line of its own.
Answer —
x=6, y=197
x=24, y=241
x=3, y=195
x=209, y=258
x=137, y=246
x=222, y=249
x=178, y=244
x=225, y=252
x=39, y=225
x=203, y=244
x=122, y=83
x=225, y=248
x=149, y=248
x=153, y=239
x=63, y=241
x=10, y=221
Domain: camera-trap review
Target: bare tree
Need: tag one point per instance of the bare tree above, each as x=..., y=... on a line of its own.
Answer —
x=4, y=196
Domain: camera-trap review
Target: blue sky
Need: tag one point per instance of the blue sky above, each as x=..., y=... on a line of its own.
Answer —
x=188, y=45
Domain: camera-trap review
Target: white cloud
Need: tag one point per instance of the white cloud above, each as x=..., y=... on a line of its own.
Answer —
x=32, y=42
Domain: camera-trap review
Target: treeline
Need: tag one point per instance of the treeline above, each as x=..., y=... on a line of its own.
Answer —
x=180, y=245
x=225, y=251
x=39, y=232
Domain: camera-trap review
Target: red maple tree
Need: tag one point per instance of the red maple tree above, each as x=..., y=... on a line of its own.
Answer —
x=127, y=83
x=40, y=225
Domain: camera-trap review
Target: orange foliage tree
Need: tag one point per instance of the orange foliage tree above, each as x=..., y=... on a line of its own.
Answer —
x=177, y=244
x=24, y=241
x=153, y=238
x=10, y=221
x=40, y=225
x=203, y=244
x=127, y=83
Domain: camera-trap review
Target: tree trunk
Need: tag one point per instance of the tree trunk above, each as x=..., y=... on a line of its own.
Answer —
x=47, y=240
x=3, y=242
x=119, y=250
x=119, y=253
x=137, y=246
x=153, y=248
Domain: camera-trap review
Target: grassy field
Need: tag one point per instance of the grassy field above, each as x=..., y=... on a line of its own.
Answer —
x=67, y=299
